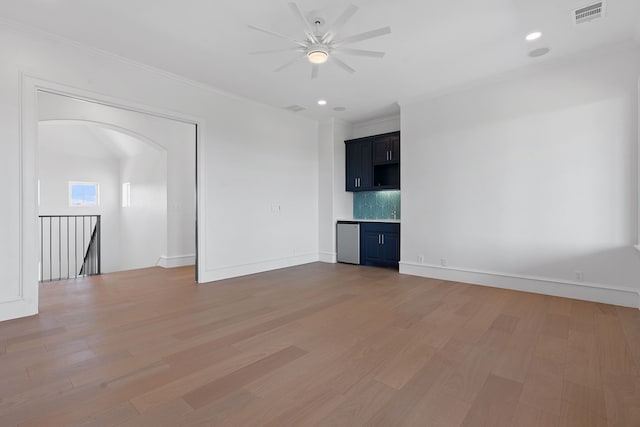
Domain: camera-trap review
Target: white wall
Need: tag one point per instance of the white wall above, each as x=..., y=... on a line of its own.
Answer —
x=334, y=202
x=57, y=168
x=143, y=224
x=326, y=191
x=175, y=137
x=252, y=157
x=638, y=167
x=524, y=182
x=343, y=200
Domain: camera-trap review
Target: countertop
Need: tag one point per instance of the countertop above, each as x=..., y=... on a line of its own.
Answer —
x=395, y=221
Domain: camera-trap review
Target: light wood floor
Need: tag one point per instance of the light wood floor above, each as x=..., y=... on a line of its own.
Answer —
x=319, y=344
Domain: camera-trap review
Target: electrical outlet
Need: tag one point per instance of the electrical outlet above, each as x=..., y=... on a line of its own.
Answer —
x=579, y=276
x=421, y=259
x=443, y=262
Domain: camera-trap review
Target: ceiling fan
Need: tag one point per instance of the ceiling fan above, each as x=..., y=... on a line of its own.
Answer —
x=321, y=46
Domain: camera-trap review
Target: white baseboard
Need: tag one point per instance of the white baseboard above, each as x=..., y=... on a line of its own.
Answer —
x=257, y=267
x=577, y=290
x=15, y=307
x=176, y=261
x=329, y=257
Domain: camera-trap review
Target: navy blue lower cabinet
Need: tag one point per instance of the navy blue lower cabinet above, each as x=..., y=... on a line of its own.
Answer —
x=372, y=253
x=391, y=248
x=380, y=244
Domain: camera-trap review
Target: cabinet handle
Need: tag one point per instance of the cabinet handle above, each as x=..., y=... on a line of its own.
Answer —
x=358, y=182
x=378, y=239
x=383, y=239
x=390, y=155
x=387, y=155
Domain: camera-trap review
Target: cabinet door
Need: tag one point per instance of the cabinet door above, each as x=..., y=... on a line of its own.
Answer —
x=381, y=150
x=371, y=249
x=394, y=148
x=359, y=173
x=353, y=165
x=391, y=249
x=380, y=244
x=386, y=148
x=366, y=166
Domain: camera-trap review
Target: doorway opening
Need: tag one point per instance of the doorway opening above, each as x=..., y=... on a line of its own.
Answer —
x=117, y=189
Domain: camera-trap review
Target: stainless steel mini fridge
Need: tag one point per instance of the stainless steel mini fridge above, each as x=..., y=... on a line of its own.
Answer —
x=348, y=242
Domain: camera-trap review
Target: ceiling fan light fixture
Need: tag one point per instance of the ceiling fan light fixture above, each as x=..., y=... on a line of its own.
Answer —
x=319, y=43
x=317, y=54
x=535, y=35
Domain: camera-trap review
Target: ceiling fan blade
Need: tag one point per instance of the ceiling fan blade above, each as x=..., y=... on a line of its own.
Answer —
x=315, y=68
x=364, y=36
x=342, y=65
x=306, y=24
x=262, y=52
x=293, y=61
x=339, y=23
x=360, y=52
x=273, y=33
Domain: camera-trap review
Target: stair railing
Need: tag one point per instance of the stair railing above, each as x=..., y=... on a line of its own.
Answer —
x=70, y=246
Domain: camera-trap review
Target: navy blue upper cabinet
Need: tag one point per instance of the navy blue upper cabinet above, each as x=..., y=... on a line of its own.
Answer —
x=359, y=171
x=380, y=244
x=386, y=148
x=353, y=166
x=373, y=163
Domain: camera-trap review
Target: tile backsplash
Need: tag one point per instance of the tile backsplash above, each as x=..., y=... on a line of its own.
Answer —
x=376, y=205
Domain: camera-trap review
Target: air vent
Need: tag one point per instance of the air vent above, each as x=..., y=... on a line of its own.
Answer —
x=589, y=13
x=294, y=108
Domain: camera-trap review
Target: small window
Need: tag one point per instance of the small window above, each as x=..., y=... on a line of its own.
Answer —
x=126, y=194
x=84, y=194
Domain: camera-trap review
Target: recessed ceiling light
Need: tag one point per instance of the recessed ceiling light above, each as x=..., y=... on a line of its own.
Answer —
x=322, y=102
x=339, y=109
x=533, y=36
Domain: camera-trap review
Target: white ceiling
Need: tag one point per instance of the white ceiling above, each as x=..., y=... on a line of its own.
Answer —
x=434, y=45
x=89, y=140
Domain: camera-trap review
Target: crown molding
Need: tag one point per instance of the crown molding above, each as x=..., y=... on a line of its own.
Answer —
x=376, y=121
